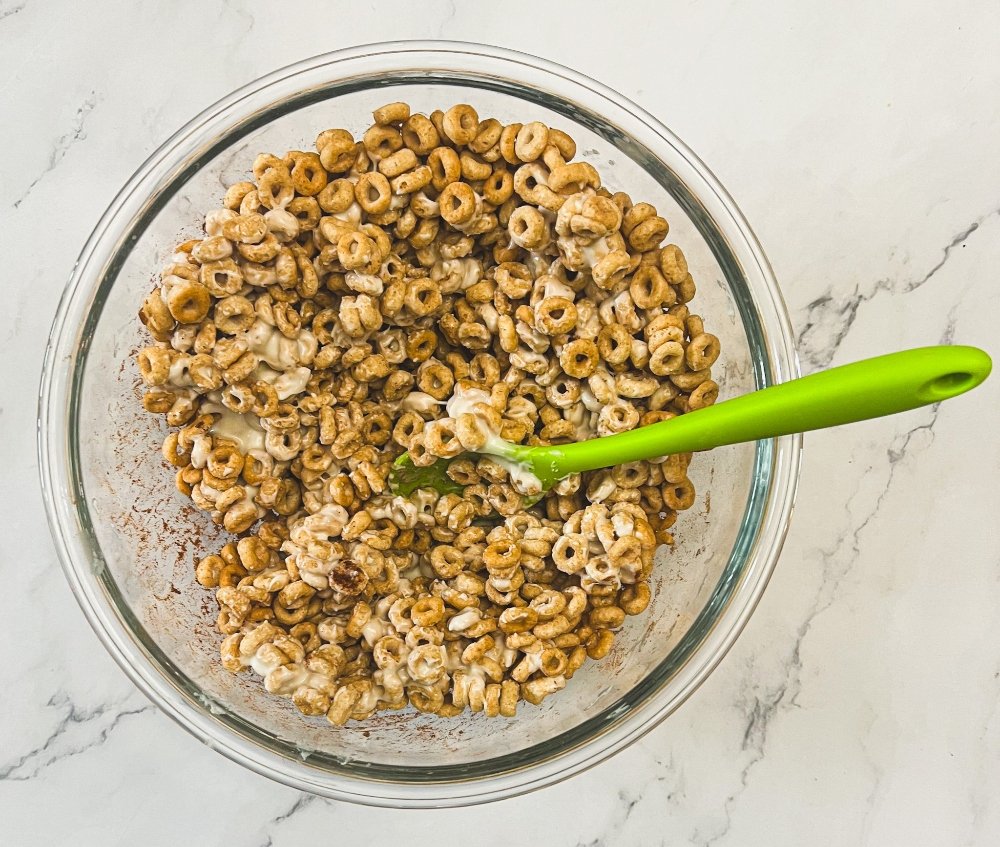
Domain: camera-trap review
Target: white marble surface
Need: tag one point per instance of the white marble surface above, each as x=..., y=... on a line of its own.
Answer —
x=861, y=704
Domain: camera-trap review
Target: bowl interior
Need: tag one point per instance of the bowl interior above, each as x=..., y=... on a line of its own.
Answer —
x=146, y=538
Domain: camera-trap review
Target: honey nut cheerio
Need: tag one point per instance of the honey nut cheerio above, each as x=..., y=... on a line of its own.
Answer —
x=439, y=283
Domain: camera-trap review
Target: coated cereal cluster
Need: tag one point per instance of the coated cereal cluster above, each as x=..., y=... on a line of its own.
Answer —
x=442, y=281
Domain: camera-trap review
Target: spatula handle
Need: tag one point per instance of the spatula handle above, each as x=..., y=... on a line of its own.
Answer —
x=871, y=388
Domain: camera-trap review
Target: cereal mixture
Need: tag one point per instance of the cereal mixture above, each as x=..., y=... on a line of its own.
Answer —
x=442, y=281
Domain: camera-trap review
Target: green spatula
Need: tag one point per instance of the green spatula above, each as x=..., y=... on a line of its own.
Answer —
x=871, y=388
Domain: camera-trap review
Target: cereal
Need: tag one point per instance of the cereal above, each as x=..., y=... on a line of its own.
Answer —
x=440, y=282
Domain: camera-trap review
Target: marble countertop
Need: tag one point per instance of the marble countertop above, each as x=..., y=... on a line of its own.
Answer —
x=860, y=706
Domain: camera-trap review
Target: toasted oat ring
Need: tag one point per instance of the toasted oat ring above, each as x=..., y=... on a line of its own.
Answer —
x=306, y=211
x=445, y=165
x=679, y=495
x=420, y=135
x=611, y=269
x=308, y=175
x=212, y=249
x=470, y=432
x=685, y=289
x=702, y=351
x=528, y=179
x=355, y=250
x=155, y=315
x=635, y=598
x=427, y=611
x=391, y=113
x=403, y=160
x=204, y=372
x=237, y=398
x=264, y=161
x=337, y=196
x=558, y=429
x=265, y=399
x=240, y=369
x=648, y=288
x=257, y=468
x=673, y=264
x=575, y=177
x=648, y=234
x=316, y=457
x=262, y=252
x=527, y=228
x=500, y=556
x=189, y=302
x=473, y=167
x=225, y=462
x=423, y=296
x=382, y=141
x=234, y=314
x=614, y=343
x=174, y=452
x=245, y=229
x=619, y=416
x=275, y=188
x=508, y=142
x=667, y=359
x=461, y=124
x=282, y=224
x=562, y=142
x=499, y=186
x=162, y=402
x=487, y=136
x=689, y=380
x=570, y=553
x=154, y=365
x=446, y=561
x=531, y=141
x=373, y=193
x=251, y=205
x=337, y=150
x=563, y=393
x=235, y=194
x=436, y=379
x=555, y=315
x=421, y=345
x=579, y=358
x=703, y=395
x=635, y=215
x=412, y=181
x=485, y=368
x=457, y=203
x=515, y=619
x=513, y=279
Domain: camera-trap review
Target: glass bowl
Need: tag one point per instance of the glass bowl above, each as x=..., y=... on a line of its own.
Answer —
x=128, y=542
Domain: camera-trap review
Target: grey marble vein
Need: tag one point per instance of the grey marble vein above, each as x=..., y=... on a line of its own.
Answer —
x=828, y=320
x=900, y=447
x=877, y=779
x=76, y=133
x=13, y=10
x=759, y=717
x=763, y=708
x=104, y=717
x=753, y=742
x=302, y=802
x=830, y=317
x=241, y=12
x=448, y=18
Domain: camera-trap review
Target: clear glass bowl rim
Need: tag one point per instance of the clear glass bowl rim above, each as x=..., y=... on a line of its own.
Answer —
x=556, y=758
